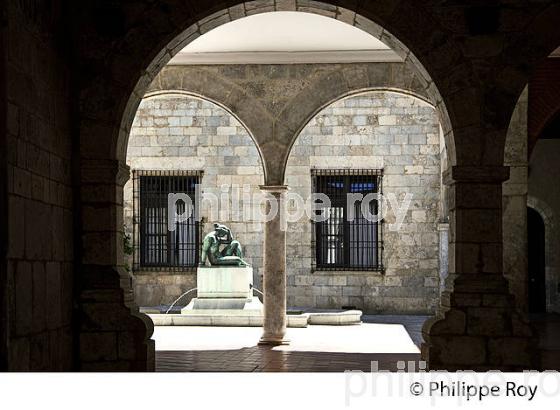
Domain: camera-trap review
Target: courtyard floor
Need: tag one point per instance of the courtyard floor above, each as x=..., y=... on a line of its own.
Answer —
x=384, y=340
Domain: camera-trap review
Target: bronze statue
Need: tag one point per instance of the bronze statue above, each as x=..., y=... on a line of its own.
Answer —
x=230, y=252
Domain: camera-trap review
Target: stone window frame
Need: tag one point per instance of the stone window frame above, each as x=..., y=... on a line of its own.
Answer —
x=379, y=267
x=137, y=266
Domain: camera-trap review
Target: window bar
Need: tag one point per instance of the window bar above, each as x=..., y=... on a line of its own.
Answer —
x=369, y=226
x=145, y=214
x=170, y=234
x=134, y=222
x=345, y=222
x=164, y=232
x=380, y=243
x=313, y=228
x=152, y=208
x=178, y=244
x=155, y=202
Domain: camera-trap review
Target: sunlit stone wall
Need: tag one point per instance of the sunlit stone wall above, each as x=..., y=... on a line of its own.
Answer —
x=387, y=130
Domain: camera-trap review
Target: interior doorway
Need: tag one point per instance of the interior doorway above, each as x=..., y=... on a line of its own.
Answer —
x=536, y=261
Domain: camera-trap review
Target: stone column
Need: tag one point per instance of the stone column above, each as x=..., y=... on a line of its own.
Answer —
x=113, y=335
x=443, y=230
x=274, y=278
x=477, y=326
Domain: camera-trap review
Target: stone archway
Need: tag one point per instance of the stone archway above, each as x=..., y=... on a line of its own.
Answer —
x=476, y=115
x=377, y=129
x=319, y=104
x=265, y=113
x=273, y=151
x=191, y=91
x=177, y=133
x=289, y=121
x=280, y=123
x=514, y=203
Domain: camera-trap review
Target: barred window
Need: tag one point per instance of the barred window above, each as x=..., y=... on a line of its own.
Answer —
x=348, y=239
x=156, y=246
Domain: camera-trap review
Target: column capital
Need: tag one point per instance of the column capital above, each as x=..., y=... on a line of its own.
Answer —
x=274, y=188
x=476, y=174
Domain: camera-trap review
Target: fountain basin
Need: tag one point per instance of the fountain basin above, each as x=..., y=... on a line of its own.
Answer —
x=223, y=317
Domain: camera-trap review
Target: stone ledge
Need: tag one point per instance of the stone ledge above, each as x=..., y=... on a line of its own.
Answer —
x=222, y=317
x=349, y=317
x=242, y=318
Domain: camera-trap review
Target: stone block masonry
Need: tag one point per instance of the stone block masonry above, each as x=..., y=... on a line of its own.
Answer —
x=210, y=139
x=379, y=129
x=36, y=317
x=398, y=134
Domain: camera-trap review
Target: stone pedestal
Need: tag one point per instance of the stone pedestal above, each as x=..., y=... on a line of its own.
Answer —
x=224, y=288
x=224, y=282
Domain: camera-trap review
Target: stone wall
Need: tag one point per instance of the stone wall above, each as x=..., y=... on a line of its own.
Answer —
x=276, y=101
x=385, y=130
x=514, y=204
x=111, y=44
x=179, y=132
x=528, y=186
x=38, y=308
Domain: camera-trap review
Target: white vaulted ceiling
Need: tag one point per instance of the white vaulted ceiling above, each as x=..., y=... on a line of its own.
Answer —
x=284, y=37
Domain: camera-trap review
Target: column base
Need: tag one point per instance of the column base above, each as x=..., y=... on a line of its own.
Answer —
x=273, y=341
x=478, y=328
x=109, y=318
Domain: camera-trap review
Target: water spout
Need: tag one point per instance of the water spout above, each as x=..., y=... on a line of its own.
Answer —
x=176, y=300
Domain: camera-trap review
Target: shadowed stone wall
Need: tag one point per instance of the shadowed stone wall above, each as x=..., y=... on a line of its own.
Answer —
x=515, y=204
x=38, y=301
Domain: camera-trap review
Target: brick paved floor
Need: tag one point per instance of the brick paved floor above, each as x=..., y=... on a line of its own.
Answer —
x=385, y=340
x=263, y=359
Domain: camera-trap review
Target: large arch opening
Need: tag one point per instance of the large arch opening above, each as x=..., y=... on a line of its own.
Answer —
x=299, y=75
x=69, y=102
x=275, y=137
